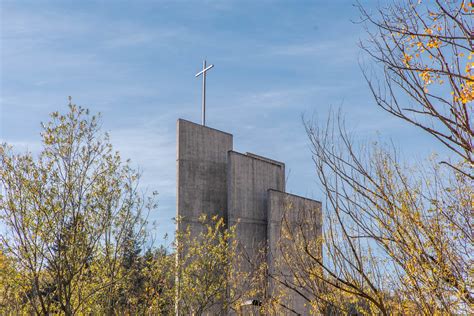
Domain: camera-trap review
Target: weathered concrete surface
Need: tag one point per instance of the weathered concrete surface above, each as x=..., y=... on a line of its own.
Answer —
x=281, y=164
x=247, y=191
x=248, y=179
x=294, y=211
x=201, y=178
x=201, y=172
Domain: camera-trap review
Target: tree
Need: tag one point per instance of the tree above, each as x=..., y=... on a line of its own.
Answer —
x=209, y=278
x=67, y=214
x=158, y=268
x=75, y=229
x=397, y=238
x=426, y=53
x=11, y=286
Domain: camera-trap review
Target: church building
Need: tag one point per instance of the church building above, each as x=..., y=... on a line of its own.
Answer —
x=247, y=189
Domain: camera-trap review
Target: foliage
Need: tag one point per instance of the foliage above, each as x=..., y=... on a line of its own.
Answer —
x=67, y=214
x=209, y=276
x=426, y=52
x=75, y=228
x=397, y=238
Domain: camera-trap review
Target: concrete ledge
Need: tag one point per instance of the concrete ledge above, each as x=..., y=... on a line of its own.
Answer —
x=295, y=196
x=281, y=164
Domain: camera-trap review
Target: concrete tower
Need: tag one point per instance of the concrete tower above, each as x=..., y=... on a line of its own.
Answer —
x=201, y=173
x=245, y=188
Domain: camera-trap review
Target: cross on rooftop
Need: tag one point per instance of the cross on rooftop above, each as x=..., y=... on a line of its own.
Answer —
x=203, y=73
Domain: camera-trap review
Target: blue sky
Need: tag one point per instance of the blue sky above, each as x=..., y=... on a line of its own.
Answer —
x=134, y=61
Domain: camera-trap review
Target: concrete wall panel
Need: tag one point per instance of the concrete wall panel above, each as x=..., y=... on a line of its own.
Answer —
x=201, y=170
x=248, y=180
x=297, y=211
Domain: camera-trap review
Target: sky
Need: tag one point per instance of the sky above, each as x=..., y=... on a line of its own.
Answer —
x=135, y=61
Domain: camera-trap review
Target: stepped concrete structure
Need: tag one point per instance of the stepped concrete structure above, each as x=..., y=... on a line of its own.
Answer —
x=244, y=189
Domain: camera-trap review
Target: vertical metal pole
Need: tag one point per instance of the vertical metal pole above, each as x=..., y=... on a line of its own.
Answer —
x=204, y=94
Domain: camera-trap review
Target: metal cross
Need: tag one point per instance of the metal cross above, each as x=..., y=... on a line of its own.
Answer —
x=203, y=73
